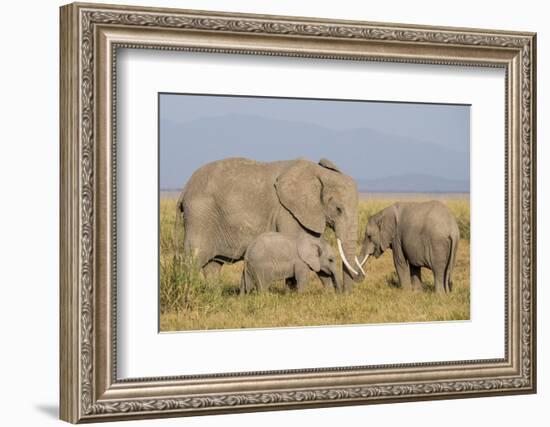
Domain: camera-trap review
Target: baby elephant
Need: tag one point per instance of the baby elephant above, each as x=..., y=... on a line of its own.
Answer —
x=276, y=256
x=419, y=235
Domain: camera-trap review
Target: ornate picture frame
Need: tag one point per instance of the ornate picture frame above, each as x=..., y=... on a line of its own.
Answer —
x=90, y=37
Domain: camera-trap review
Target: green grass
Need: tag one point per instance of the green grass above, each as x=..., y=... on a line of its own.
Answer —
x=189, y=302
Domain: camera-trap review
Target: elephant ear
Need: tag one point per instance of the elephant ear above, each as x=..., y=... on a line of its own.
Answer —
x=299, y=191
x=310, y=252
x=326, y=163
x=387, y=224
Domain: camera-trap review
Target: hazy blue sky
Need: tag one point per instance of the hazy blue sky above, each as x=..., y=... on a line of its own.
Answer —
x=369, y=140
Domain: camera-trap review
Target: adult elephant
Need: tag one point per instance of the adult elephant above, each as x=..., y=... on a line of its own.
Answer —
x=227, y=203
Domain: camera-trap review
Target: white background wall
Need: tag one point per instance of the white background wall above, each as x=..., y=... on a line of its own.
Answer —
x=29, y=171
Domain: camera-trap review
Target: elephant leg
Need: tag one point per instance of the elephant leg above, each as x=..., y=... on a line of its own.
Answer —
x=416, y=277
x=326, y=281
x=242, y=287
x=261, y=285
x=402, y=268
x=246, y=281
x=212, y=269
x=195, y=248
x=252, y=280
x=439, y=279
x=302, y=279
x=439, y=261
x=204, y=259
x=258, y=279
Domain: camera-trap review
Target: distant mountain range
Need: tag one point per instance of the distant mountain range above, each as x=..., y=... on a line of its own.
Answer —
x=414, y=184
x=379, y=161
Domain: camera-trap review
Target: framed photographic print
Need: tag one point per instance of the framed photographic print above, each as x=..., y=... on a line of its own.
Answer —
x=266, y=212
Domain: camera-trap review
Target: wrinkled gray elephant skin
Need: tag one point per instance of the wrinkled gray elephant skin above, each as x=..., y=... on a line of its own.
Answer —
x=277, y=256
x=420, y=235
x=228, y=203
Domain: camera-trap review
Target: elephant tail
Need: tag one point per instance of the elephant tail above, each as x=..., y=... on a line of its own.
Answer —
x=244, y=287
x=450, y=264
x=179, y=217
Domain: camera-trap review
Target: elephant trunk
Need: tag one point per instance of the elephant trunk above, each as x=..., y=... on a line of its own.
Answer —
x=351, y=273
x=346, y=259
x=346, y=239
x=331, y=279
x=337, y=281
x=363, y=255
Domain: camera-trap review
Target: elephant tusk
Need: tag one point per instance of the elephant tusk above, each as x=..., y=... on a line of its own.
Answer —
x=360, y=266
x=344, y=259
x=364, y=259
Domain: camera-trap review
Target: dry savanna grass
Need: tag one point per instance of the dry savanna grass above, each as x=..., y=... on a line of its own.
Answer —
x=189, y=302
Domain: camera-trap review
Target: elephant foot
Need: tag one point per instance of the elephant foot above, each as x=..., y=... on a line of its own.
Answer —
x=406, y=286
x=300, y=288
x=346, y=290
x=416, y=287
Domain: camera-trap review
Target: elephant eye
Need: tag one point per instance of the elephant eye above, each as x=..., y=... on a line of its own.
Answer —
x=331, y=260
x=338, y=210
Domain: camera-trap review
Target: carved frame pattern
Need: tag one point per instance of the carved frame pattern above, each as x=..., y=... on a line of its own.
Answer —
x=79, y=399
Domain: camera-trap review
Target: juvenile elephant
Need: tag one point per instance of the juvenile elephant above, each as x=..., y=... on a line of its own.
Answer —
x=228, y=203
x=276, y=256
x=420, y=235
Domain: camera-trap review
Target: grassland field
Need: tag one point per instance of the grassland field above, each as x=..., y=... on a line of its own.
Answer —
x=189, y=302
